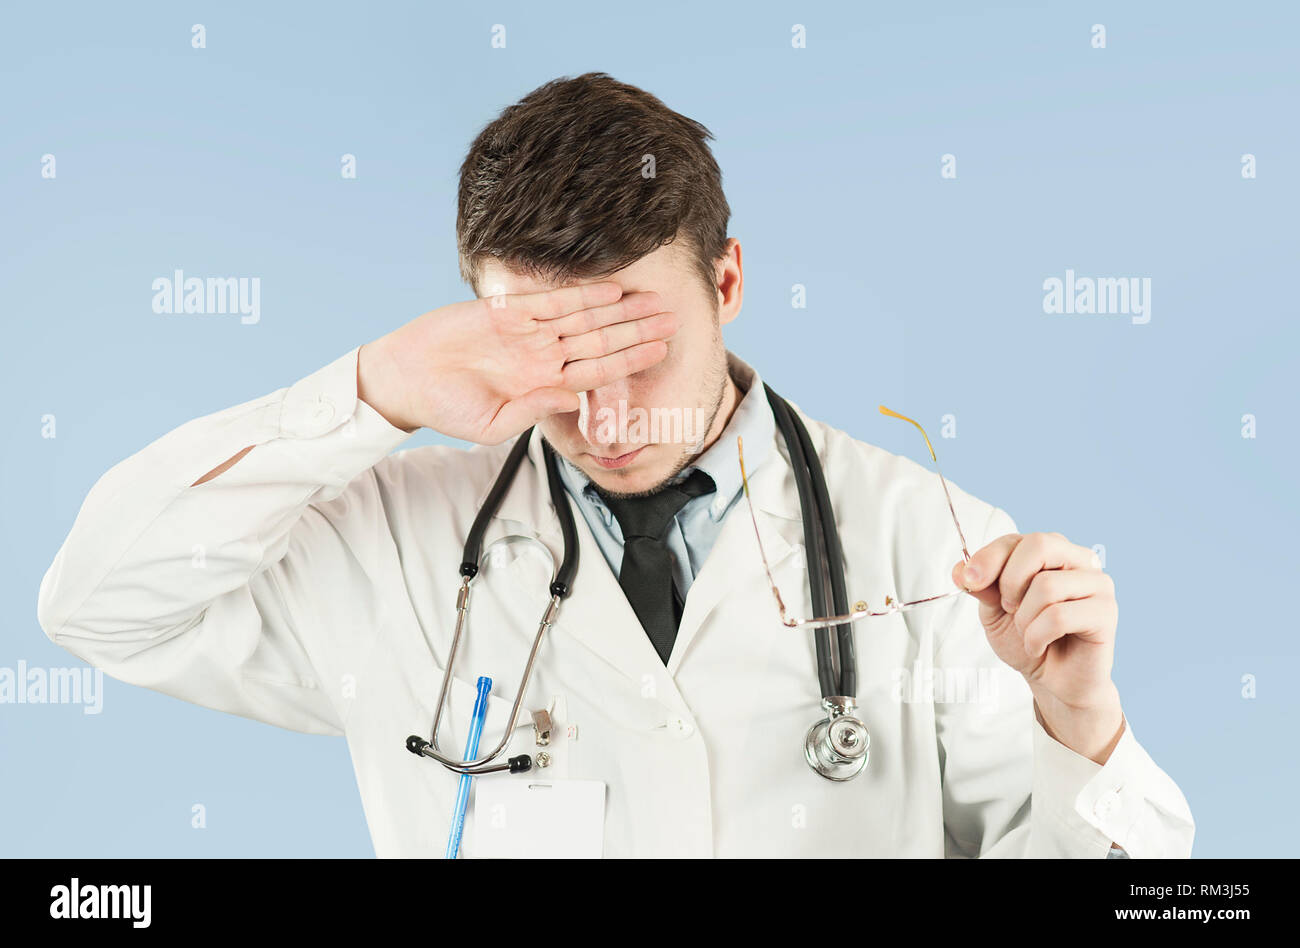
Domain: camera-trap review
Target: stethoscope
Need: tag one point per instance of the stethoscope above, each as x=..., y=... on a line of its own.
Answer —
x=836, y=747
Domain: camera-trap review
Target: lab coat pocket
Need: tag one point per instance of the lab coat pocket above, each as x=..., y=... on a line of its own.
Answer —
x=460, y=712
x=540, y=813
x=543, y=738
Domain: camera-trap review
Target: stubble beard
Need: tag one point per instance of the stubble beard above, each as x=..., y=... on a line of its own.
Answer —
x=689, y=452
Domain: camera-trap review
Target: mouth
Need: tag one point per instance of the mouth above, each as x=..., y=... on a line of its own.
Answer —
x=614, y=463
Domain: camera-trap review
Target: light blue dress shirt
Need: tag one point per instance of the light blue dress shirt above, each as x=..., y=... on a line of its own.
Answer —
x=696, y=526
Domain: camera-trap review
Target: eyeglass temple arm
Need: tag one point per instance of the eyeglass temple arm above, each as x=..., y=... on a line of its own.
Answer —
x=789, y=623
x=933, y=457
x=767, y=570
x=856, y=614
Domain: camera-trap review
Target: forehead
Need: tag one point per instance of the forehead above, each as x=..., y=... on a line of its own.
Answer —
x=657, y=270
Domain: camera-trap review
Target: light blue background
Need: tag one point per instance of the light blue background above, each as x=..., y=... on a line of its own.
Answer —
x=923, y=293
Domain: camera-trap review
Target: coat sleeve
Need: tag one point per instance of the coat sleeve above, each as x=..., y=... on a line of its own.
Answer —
x=1009, y=789
x=207, y=593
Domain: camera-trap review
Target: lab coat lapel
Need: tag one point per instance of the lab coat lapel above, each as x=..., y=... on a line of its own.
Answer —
x=597, y=613
x=734, y=560
x=599, y=616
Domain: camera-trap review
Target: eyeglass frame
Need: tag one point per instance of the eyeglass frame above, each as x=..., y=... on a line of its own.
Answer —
x=861, y=609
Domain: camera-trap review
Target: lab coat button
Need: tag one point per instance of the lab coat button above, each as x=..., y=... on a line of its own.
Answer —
x=308, y=416
x=681, y=727
x=311, y=417
x=1106, y=804
x=322, y=413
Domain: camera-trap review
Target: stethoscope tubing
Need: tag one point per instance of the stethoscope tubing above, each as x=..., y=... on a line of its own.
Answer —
x=836, y=659
x=824, y=553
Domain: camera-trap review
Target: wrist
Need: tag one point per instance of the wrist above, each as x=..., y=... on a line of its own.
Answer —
x=373, y=374
x=1090, y=729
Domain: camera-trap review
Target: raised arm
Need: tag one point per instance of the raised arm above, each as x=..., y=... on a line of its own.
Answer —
x=199, y=566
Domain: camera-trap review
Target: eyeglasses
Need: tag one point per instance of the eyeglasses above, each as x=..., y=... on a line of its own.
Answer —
x=861, y=609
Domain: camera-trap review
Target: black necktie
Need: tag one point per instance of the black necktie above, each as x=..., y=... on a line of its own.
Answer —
x=647, y=572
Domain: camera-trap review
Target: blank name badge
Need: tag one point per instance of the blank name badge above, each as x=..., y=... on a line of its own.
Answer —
x=538, y=819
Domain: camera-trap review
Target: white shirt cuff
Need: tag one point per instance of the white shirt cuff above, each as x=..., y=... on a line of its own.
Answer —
x=326, y=403
x=1128, y=801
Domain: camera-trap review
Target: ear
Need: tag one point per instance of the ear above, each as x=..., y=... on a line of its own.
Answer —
x=730, y=282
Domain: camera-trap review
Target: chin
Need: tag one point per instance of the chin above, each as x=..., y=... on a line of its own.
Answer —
x=645, y=473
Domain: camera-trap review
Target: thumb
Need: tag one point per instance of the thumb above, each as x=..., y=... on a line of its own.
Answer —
x=983, y=588
x=528, y=409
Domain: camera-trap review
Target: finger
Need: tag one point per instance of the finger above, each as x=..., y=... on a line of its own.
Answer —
x=527, y=410
x=631, y=306
x=977, y=575
x=1035, y=552
x=986, y=563
x=1061, y=585
x=1087, y=618
x=603, y=341
x=588, y=374
x=550, y=304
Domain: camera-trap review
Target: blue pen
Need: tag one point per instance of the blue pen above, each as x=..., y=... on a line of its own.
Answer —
x=471, y=751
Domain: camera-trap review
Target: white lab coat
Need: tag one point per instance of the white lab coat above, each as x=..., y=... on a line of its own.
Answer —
x=312, y=586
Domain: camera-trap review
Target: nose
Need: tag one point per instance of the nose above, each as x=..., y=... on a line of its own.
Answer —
x=603, y=411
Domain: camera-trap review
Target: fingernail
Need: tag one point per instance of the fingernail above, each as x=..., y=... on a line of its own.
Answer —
x=1008, y=607
x=969, y=575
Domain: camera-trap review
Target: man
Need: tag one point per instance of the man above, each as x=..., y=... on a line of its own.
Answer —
x=274, y=560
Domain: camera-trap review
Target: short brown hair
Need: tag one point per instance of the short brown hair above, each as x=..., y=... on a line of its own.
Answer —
x=554, y=186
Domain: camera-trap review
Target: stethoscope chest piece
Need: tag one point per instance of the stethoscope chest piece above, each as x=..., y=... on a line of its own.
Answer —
x=837, y=747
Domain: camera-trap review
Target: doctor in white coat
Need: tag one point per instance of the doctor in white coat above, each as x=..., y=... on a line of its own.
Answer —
x=275, y=560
